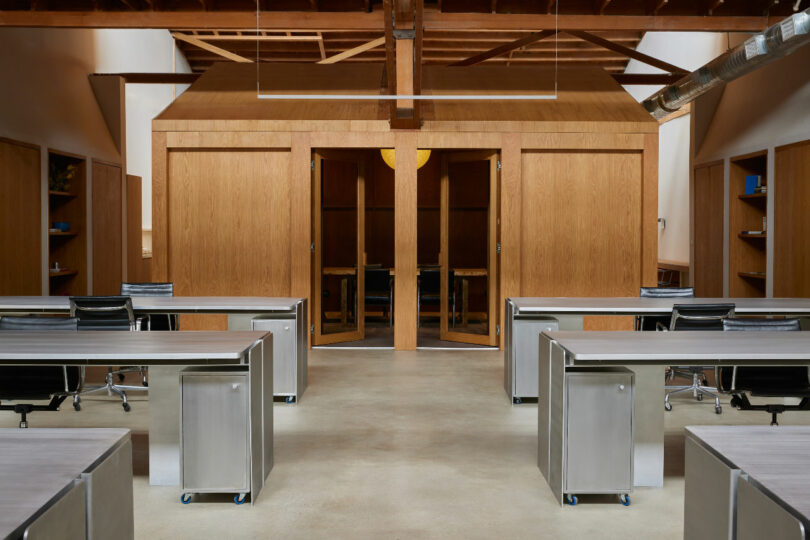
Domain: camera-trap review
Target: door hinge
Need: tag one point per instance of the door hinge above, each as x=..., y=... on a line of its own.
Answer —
x=312, y=247
x=497, y=329
x=312, y=329
x=498, y=164
x=312, y=164
x=497, y=247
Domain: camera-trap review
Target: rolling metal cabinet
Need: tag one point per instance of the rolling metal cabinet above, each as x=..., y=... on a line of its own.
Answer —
x=521, y=354
x=215, y=432
x=594, y=432
x=289, y=353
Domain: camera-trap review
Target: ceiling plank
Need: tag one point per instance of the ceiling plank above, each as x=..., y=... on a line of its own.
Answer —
x=373, y=44
x=356, y=21
x=632, y=53
x=503, y=49
x=194, y=40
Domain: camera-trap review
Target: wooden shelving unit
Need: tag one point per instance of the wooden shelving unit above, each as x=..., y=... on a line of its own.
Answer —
x=747, y=251
x=67, y=202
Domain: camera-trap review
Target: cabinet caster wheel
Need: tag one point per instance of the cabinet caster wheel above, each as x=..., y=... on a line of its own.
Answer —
x=185, y=498
x=239, y=499
x=718, y=409
x=77, y=406
x=572, y=500
x=518, y=401
x=290, y=400
x=668, y=406
x=624, y=499
x=126, y=407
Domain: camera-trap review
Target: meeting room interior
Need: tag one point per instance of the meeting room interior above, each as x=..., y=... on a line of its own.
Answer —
x=405, y=269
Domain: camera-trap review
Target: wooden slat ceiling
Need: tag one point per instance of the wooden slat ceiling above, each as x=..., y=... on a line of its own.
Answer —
x=440, y=46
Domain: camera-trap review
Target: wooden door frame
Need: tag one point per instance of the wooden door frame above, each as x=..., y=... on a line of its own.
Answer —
x=493, y=316
x=318, y=337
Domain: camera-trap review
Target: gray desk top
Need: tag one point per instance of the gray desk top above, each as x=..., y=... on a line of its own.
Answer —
x=651, y=306
x=159, y=304
x=38, y=464
x=700, y=348
x=777, y=458
x=102, y=348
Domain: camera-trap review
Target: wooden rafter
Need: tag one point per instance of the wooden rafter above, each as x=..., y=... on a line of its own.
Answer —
x=359, y=21
x=600, y=6
x=550, y=4
x=253, y=37
x=321, y=47
x=626, y=51
x=503, y=49
x=656, y=5
x=194, y=40
x=374, y=43
x=714, y=4
x=493, y=6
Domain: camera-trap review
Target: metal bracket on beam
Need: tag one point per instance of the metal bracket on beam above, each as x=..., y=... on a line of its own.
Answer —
x=405, y=33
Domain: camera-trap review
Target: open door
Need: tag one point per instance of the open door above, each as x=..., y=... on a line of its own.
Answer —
x=338, y=225
x=468, y=254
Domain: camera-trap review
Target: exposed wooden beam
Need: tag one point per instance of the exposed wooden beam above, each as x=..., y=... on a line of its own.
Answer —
x=390, y=57
x=503, y=49
x=313, y=5
x=627, y=51
x=359, y=21
x=646, y=78
x=493, y=6
x=714, y=4
x=374, y=43
x=601, y=5
x=321, y=47
x=254, y=38
x=656, y=5
x=550, y=4
x=156, y=78
x=212, y=48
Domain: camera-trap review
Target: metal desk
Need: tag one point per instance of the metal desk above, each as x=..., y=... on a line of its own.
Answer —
x=81, y=475
x=241, y=311
x=164, y=350
x=640, y=351
x=747, y=482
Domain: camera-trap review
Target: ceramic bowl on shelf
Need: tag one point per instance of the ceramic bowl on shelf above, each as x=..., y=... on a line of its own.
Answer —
x=63, y=226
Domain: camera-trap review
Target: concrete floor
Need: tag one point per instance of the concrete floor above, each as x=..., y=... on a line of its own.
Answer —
x=391, y=444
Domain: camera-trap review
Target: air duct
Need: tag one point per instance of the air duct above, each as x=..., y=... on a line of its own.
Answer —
x=777, y=41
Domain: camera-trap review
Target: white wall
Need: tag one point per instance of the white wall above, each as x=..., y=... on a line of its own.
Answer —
x=142, y=51
x=689, y=51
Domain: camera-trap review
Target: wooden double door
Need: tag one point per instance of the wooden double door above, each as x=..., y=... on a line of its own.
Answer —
x=466, y=264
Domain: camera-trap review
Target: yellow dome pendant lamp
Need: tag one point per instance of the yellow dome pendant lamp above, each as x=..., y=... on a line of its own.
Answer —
x=389, y=156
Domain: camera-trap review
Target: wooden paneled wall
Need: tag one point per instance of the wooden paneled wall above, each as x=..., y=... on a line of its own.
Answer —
x=228, y=224
x=708, y=227
x=107, y=228
x=791, y=230
x=138, y=269
x=20, y=215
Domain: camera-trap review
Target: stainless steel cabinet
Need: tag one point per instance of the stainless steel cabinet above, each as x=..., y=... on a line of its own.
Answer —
x=522, y=356
x=215, y=428
x=598, y=425
x=289, y=355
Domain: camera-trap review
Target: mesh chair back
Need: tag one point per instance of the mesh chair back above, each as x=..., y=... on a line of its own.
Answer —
x=378, y=280
x=103, y=312
x=39, y=323
x=780, y=381
x=667, y=292
x=147, y=289
x=37, y=382
x=700, y=316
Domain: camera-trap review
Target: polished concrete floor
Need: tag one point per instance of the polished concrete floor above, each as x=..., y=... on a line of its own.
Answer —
x=391, y=444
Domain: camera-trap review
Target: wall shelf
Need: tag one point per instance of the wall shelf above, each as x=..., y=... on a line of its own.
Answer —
x=63, y=273
x=66, y=194
x=747, y=212
x=62, y=233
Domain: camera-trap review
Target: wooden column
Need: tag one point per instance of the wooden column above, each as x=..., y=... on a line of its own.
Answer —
x=510, y=201
x=405, y=242
x=300, y=218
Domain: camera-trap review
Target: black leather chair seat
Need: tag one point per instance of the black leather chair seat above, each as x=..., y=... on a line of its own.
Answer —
x=377, y=297
x=36, y=382
x=431, y=299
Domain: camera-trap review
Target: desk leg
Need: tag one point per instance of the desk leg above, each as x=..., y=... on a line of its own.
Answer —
x=164, y=425
x=648, y=465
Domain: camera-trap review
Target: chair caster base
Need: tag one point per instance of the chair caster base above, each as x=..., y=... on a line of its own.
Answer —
x=126, y=406
x=667, y=406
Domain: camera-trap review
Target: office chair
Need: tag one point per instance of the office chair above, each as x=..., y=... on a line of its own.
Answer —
x=54, y=383
x=779, y=382
x=428, y=291
x=379, y=290
x=654, y=322
x=696, y=317
x=105, y=313
x=150, y=321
